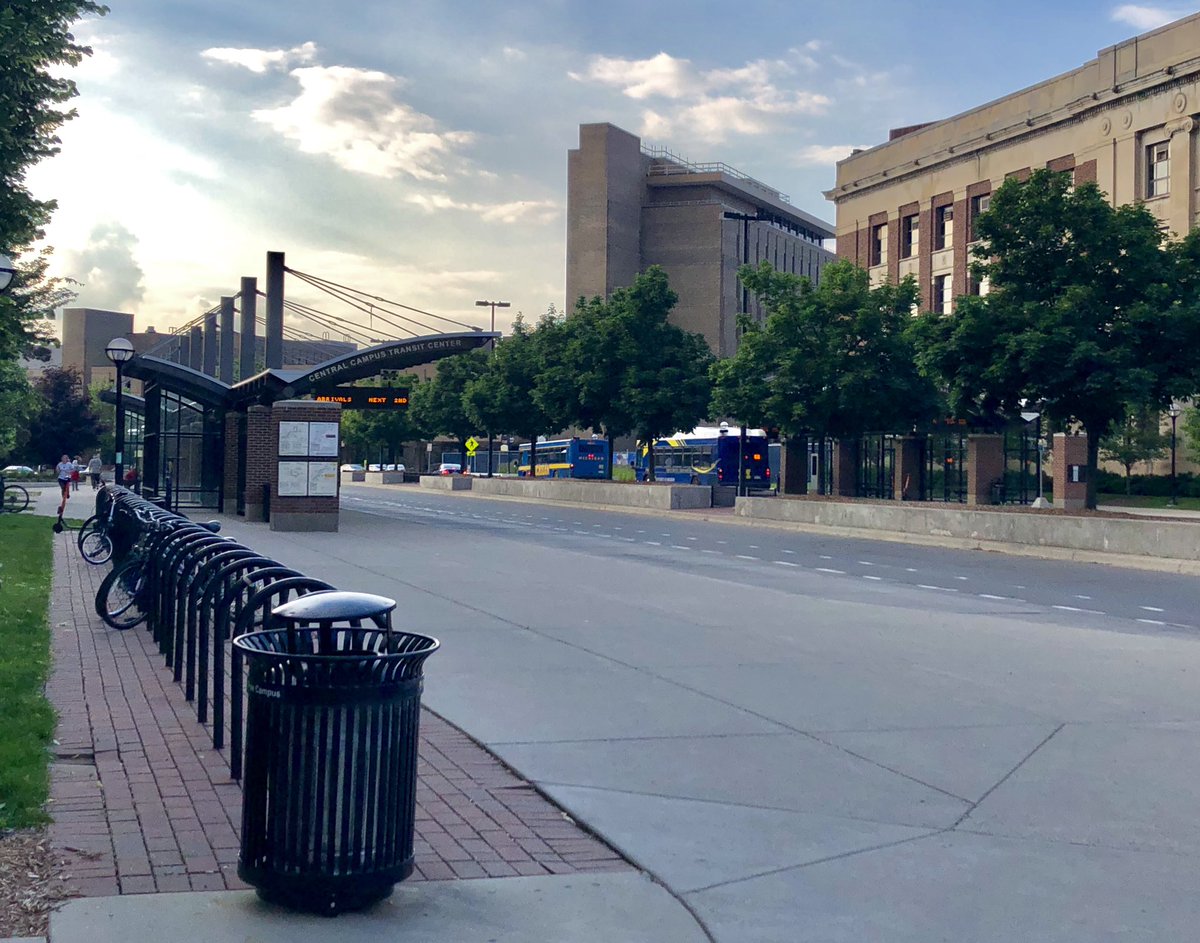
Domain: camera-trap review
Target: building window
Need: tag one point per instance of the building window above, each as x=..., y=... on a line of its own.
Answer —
x=910, y=235
x=943, y=227
x=1158, y=170
x=979, y=286
x=943, y=293
x=879, y=235
x=979, y=206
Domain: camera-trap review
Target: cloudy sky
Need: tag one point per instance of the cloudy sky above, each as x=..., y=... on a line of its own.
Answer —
x=417, y=149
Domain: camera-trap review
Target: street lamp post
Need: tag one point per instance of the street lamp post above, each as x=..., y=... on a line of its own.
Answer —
x=1173, y=412
x=493, y=305
x=120, y=352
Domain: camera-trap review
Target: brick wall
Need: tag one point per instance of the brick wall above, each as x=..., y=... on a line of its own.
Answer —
x=261, y=447
x=299, y=411
x=230, y=488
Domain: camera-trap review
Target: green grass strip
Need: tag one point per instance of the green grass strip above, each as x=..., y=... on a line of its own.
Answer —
x=26, y=717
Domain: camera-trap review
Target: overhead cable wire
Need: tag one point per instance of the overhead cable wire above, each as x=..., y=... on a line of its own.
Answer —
x=330, y=286
x=369, y=309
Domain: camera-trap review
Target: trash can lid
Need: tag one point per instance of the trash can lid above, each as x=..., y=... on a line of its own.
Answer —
x=333, y=605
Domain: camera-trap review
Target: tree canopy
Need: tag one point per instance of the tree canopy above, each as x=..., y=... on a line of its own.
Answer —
x=835, y=358
x=63, y=420
x=1083, y=312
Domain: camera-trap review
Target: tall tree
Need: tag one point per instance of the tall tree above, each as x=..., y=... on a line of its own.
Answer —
x=664, y=369
x=17, y=404
x=1137, y=437
x=584, y=371
x=437, y=406
x=835, y=359
x=1082, y=312
x=63, y=420
x=504, y=397
x=36, y=42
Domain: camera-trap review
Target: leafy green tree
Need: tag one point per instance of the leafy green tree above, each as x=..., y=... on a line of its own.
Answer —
x=63, y=421
x=37, y=44
x=1137, y=437
x=504, y=397
x=437, y=407
x=663, y=368
x=583, y=374
x=17, y=404
x=836, y=359
x=106, y=413
x=1083, y=312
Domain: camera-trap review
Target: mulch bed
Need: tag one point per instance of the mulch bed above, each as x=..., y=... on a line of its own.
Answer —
x=33, y=880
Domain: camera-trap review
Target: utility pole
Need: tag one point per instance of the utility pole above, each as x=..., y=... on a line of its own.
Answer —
x=494, y=305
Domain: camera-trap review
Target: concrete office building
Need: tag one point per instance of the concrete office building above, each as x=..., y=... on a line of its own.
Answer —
x=630, y=207
x=1126, y=120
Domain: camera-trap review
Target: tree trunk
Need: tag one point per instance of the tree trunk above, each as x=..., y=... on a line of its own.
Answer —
x=1128, y=480
x=611, y=458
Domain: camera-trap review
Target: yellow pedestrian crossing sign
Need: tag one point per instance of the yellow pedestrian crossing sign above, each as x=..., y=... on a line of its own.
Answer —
x=472, y=444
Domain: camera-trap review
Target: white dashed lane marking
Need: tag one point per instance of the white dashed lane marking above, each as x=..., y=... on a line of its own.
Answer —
x=1152, y=609
x=825, y=569
x=1093, y=612
x=785, y=563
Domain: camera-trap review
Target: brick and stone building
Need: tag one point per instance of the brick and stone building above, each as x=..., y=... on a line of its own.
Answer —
x=1126, y=120
x=630, y=207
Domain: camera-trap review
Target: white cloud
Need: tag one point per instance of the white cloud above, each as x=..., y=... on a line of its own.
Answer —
x=110, y=275
x=260, y=60
x=663, y=76
x=1144, y=18
x=353, y=116
x=819, y=154
x=512, y=54
x=538, y=211
x=708, y=105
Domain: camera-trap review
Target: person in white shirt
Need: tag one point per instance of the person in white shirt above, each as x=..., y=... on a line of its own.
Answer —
x=64, y=469
x=95, y=466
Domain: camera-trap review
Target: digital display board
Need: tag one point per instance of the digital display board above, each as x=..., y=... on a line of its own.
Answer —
x=364, y=397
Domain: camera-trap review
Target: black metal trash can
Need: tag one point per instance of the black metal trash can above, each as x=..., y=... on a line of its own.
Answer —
x=329, y=786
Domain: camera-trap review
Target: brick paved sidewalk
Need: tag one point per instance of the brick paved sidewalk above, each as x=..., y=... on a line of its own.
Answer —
x=142, y=803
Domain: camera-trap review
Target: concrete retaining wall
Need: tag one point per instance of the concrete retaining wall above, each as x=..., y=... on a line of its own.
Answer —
x=382, y=477
x=349, y=476
x=1150, y=538
x=665, y=497
x=447, y=482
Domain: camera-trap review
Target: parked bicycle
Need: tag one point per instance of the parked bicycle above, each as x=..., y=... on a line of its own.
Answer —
x=125, y=597
x=16, y=498
x=95, y=538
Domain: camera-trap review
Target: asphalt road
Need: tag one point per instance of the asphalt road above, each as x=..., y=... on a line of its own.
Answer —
x=813, y=738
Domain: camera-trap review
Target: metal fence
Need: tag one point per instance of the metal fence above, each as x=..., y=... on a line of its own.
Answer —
x=199, y=591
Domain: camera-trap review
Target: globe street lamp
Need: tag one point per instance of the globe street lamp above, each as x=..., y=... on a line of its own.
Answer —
x=7, y=272
x=493, y=305
x=120, y=352
x=1173, y=412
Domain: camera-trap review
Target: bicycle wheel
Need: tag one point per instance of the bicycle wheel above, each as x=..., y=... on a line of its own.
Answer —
x=16, y=498
x=120, y=598
x=90, y=526
x=96, y=547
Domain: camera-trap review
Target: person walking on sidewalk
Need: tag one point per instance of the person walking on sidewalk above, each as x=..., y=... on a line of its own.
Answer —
x=95, y=467
x=78, y=463
x=64, y=470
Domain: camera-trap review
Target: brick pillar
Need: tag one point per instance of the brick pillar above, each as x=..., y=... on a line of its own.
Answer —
x=985, y=467
x=793, y=465
x=260, y=459
x=1070, y=451
x=230, y=472
x=845, y=468
x=301, y=505
x=910, y=457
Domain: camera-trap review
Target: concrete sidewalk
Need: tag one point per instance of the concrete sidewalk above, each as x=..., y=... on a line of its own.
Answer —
x=143, y=806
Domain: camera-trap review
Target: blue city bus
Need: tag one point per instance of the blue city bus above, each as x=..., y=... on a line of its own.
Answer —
x=708, y=455
x=567, y=458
